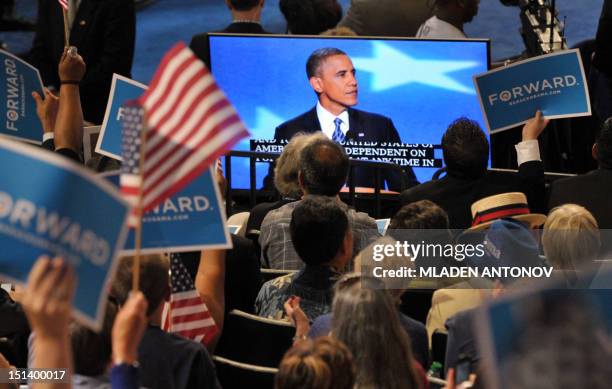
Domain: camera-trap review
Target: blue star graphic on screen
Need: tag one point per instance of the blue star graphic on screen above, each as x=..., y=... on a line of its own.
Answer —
x=391, y=68
x=265, y=121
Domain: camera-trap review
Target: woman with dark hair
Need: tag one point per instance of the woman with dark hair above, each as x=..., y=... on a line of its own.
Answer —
x=366, y=320
x=310, y=17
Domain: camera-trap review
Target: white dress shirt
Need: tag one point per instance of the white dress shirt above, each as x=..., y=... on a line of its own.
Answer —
x=437, y=28
x=326, y=120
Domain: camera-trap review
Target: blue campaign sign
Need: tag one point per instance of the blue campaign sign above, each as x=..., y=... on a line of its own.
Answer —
x=18, y=118
x=192, y=220
x=554, y=84
x=51, y=206
x=122, y=89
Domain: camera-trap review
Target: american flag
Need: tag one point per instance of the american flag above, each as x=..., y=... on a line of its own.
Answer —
x=190, y=124
x=64, y=4
x=130, y=178
x=187, y=315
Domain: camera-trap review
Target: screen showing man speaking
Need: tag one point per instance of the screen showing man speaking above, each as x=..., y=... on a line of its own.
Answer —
x=361, y=90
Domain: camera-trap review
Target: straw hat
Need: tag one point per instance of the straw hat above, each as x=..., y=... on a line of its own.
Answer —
x=513, y=204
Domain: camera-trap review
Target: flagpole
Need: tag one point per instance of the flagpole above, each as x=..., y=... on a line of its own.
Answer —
x=139, y=206
x=66, y=28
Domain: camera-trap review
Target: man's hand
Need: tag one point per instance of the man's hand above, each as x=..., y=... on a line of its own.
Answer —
x=534, y=127
x=297, y=316
x=48, y=298
x=129, y=328
x=220, y=178
x=46, y=109
x=71, y=67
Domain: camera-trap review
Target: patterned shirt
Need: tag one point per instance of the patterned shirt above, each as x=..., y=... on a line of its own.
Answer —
x=314, y=285
x=277, y=250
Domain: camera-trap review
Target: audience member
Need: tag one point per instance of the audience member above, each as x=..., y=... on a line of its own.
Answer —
x=571, y=238
x=104, y=33
x=365, y=318
x=285, y=175
x=503, y=206
x=323, y=172
x=339, y=31
x=323, y=239
x=246, y=19
x=310, y=17
x=465, y=295
x=325, y=363
x=166, y=360
x=92, y=352
x=386, y=17
x=600, y=79
x=14, y=329
x=242, y=273
x=590, y=190
x=62, y=118
x=48, y=304
x=449, y=18
x=419, y=215
x=508, y=243
x=466, y=153
x=395, y=286
x=130, y=325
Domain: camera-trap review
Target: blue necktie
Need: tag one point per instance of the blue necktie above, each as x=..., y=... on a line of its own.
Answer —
x=338, y=135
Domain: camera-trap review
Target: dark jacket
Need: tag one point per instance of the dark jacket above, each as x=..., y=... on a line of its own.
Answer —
x=455, y=193
x=363, y=127
x=199, y=42
x=104, y=33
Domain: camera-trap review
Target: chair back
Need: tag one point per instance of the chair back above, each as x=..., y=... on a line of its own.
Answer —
x=254, y=340
x=270, y=274
x=232, y=374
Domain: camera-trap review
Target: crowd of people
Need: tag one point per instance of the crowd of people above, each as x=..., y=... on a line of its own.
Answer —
x=351, y=328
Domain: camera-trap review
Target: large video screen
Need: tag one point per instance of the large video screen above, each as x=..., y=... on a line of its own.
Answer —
x=421, y=85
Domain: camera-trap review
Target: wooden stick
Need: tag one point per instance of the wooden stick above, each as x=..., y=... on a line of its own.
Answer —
x=66, y=28
x=139, y=206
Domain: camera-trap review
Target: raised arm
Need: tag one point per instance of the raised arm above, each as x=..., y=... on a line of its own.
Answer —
x=69, y=123
x=48, y=303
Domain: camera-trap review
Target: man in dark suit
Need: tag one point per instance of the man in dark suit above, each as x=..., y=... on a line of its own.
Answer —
x=387, y=17
x=466, y=153
x=104, y=33
x=332, y=76
x=246, y=16
x=591, y=190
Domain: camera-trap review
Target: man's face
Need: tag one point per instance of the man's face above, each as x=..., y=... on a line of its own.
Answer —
x=336, y=84
x=470, y=10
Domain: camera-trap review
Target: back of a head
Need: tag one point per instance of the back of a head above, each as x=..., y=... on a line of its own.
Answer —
x=465, y=148
x=244, y=5
x=419, y=215
x=604, y=145
x=324, y=167
x=571, y=237
x=154, y=280
x=288, y=164
x=325, y=363
x=318, y=228
x=365, y=318
x=91, y=350
x=310, y=17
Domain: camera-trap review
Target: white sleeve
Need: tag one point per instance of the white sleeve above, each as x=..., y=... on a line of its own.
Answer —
x=526, y=151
